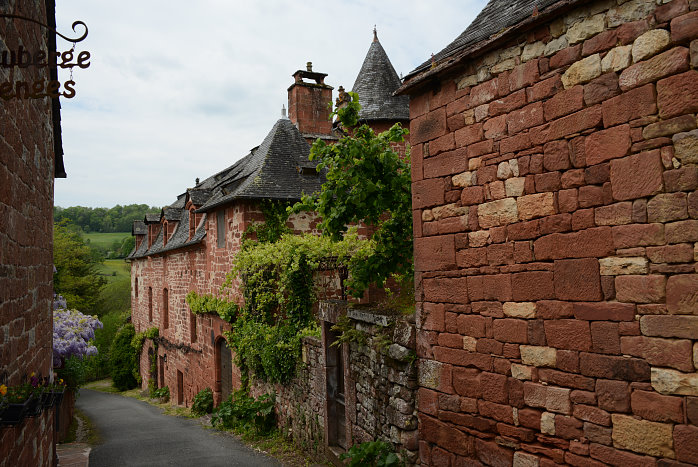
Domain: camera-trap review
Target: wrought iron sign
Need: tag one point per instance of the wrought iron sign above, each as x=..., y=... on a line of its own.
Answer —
x=22, y=58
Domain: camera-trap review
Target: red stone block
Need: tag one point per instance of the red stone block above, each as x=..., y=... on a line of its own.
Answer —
x=556, y=223
x=564, y=103
x=692, y=410
x=428, y=126
x=684, y=28
x=543, y=89
x=455, y=122
x=671, y=10
x=494, y=387
x=446, y=290
x=472, y=195
x=600, y=43
x=605, y=338
x=507, y=104
x=466, y=382
x=686, y=442
x=630, y=105
x=434, y=253
x=589, y=196
x=628, y=32
x=524, y=75
x=469, y=135
x=592, y=415
x=613, y=367
x=572, y=178
x=510, y=330
x=577, y=279
x=681, y=253
x=678, y=95
x=655, y=407
x=483, y=93
x=532, y=285
x=613, y=396
x=641, y=289
x=433, y=317
x=604, y=311
x=567, y=200
x=568, y=427
x=427, y=193
x=491, y=454
x=568, y=334
x=530, y=418
x=428, y=401
x=455, y=107
x=471, y=257
x=608, y=144
x=583, y=397
x=660, y=66
x=600, y=89
x=463, y=358
x=682, y=294
x=473, y=325
x=496, y=127
x=568, y=360
x=636, y=176
x=448, y=163
x=510, y=431
x=619, y=458
x=548, y=181
x=515, y=143
x=441, y=457
x=481, y=148
x=596, y=243
x=566, y=57
x=524, y=118
x=419, y=105
x=667, y=207
x=635, y=235
x=490, y=287
x=565, y=126
x=683, y=179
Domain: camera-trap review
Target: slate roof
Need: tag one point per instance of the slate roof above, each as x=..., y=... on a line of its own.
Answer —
x=272, y=170
x=376, y=83
x=496, y=20
x=269, y=171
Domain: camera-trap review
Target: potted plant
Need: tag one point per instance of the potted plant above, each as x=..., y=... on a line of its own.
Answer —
x=57, y=391
x=35, y=403
x=18, y=399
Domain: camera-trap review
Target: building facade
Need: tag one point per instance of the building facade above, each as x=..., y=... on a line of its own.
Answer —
x=555, y=153
x=31, y=155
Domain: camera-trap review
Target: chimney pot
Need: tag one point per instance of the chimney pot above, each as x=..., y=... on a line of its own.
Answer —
x=309, y=66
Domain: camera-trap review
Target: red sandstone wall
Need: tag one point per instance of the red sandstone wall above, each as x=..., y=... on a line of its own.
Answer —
x=556, y=221
x=26, y=237
x=201, y=268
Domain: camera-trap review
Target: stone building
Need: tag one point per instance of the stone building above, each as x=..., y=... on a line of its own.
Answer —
x=31, y=155
x=554, y=151
x=189, y=246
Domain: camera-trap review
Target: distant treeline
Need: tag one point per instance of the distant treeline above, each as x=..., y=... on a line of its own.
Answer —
x=116, y=219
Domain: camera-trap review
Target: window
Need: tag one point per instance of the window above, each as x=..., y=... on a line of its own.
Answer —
x=136, y=287
x=165, y=309
x=192, y=223
x=150, y=304
x=192, y=323
x=164, y=234
x=220, y=228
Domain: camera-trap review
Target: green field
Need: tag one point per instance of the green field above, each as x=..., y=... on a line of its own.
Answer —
x=105, y=240
x=111, y=266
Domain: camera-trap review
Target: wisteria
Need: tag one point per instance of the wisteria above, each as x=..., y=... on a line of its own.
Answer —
x=72, y=333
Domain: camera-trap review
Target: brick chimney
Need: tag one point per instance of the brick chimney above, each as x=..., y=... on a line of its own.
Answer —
x=308, y=102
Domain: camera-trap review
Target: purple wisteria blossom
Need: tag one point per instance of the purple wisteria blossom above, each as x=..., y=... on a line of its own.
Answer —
x=72, y=333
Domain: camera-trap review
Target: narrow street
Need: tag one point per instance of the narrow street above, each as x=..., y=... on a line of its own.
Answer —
x=134, y=433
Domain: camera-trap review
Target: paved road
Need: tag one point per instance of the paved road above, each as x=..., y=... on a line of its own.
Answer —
x=134, y=433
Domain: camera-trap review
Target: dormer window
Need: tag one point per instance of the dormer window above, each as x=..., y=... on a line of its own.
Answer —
x=164, y=234
x=192, y=222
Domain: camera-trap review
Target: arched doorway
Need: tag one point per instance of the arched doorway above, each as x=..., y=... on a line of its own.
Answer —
x=224, y=368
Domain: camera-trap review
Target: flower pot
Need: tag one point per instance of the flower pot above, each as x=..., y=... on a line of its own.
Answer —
x=14, y=413
x=58, y=396
x=34, y=408
x=46, y=399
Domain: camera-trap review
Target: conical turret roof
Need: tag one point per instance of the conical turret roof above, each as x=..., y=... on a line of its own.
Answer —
x=375, y=85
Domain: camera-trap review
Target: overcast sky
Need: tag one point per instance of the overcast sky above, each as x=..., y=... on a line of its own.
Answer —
x=178, y=90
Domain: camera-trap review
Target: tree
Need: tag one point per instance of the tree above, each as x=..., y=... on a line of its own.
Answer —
x=367, y=181
x=76, y=276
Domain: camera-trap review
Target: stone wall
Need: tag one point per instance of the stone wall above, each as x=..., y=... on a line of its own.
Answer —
x=26, y=233
x=556, y=221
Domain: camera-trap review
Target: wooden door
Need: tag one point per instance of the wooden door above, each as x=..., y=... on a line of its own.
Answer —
x=336, y=409
x=225, y=368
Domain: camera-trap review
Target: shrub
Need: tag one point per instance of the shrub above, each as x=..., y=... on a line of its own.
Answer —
x=203, y=402
x=161, y=393
x=372, y=453
x=123, y=358
x=98, y=366
x=245, y=413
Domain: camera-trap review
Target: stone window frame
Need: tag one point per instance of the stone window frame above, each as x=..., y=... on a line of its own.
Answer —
x=150, y=304
x=164, y=234
x=220, y=228
x=192, y=222
x=165, y=308
x=136, y=287
x=193, y=328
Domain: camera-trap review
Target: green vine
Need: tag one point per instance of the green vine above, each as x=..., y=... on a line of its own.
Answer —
x=274, y=225
x=347, y=332
x=201, y=304
x=137, y=345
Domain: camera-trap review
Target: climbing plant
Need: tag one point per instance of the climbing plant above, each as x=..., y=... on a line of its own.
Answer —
x=367, y=181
